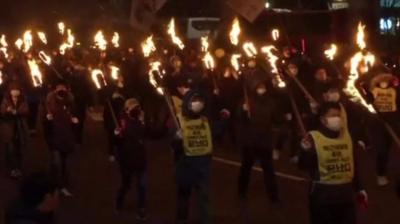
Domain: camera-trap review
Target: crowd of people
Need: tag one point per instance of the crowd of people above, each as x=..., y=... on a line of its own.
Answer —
x=321, y=127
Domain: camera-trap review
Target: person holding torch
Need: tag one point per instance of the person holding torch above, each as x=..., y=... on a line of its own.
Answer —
x=329, y=156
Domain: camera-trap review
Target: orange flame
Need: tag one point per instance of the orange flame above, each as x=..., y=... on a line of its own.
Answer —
x=275, y=34
x=35, y=73
x=148, y=46
x=331, y=52
x=272, y=61
x=250, y=49
x=235, y=61
x=175, y=39
x=45, y=58
x=115, y=40
x=235, y=32
x=28, y=40
x=95, y=77
x=155, y=69
x=99, y=41
x=42, y=37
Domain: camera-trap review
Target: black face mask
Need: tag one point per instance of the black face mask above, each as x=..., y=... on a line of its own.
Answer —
x=62, y=94
x=134, y=113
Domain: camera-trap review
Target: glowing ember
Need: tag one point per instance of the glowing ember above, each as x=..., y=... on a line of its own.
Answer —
x=155, y=70
x=235, y=32
x=331, y=52
x=61, y=28
x=235, y=61
x=99, y=41
x=42, y=37
x=148, y=46
x=272, y=59
x=275, y=34
x=250, y=49
x=28, y=40
x=1, y=77
x=35, y=73
x=114, y=72
x=19, y=43
x=175, y=39
x=96, y=75
x=115, y=40
x=45, y=58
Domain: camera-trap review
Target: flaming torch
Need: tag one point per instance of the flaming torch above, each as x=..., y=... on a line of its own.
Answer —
x=275, y=34
x=360, y=58
x=35, y=73
x=115, y=40
x=69, y=44
x=235, y=61
x=272, y=61
x=28, y=40
x=148, y=46
x=114, y=72
x=4, y=45
x=61, y=28
x=42, y=37
x=45, y=58
x=175, y=39
x=250, y=49
x=235, y=32
x=155, y=75
x=331, y=52
x=18, y=43
x=99, y=41
x=96, y=75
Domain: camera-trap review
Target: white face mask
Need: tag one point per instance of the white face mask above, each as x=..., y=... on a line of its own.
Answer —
x=383, y=85
x=261, y=91
x=197, y=106
x=15, y=92
x=333, y=97
x=334, y=123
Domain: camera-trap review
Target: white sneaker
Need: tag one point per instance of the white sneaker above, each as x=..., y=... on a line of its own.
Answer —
x=111, y=159
x=275, y=154
x=382, y=181
x=66, y=192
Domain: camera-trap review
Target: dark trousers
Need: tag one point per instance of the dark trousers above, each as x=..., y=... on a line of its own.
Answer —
x=59, y=167
x=264, y=156
x=382, y=142
x=339, y=213
x=126, y=182
x=33, y=114
x=14, y=155
x=193, y=174
x=112, y=143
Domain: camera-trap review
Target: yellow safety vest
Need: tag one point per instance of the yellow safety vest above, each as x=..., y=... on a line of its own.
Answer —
x=385, y=99
x=196, y=136
x=177, y=104
x=335, y=158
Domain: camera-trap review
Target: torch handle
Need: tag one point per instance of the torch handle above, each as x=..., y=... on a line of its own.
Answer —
x=55, y=71
x=297, y=115
x=171, y=109
x=246, y=100
x=114, y=117
x=303, y=88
